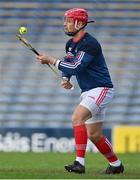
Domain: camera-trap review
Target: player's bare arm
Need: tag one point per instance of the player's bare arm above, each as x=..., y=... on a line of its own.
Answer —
x=46, y=59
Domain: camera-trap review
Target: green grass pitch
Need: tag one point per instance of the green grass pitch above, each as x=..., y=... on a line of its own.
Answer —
x=51, y=166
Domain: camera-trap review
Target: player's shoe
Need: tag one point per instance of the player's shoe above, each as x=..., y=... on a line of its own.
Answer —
x=113, y=170
x=75, y=167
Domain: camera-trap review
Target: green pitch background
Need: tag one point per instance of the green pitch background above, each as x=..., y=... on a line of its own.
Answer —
x=51, y=166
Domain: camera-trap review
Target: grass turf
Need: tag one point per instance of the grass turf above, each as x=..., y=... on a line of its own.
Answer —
x=51, y=166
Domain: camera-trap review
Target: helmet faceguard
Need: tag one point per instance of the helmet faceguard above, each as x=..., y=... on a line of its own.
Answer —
x=77, y=14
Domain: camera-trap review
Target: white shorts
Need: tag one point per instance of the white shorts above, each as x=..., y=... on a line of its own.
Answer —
x=96, y=101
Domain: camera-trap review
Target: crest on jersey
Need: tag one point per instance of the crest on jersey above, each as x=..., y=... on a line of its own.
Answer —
x=70, y=48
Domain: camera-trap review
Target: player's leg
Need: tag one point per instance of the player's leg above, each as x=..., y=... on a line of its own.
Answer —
x=80, y=115
x=94, y=131
x=94, y=125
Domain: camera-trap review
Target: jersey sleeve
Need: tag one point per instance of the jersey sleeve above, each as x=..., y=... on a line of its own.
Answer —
x=64, y=74
x=79, y=63
x=83, y=58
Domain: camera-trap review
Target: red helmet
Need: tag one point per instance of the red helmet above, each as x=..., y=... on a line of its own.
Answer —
x=78, y=14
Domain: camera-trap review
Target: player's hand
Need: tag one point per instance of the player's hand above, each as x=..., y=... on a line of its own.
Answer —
x=65, y=83
x=46, y=59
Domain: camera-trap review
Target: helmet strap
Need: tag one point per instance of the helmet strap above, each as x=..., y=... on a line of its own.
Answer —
x=76, y=25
